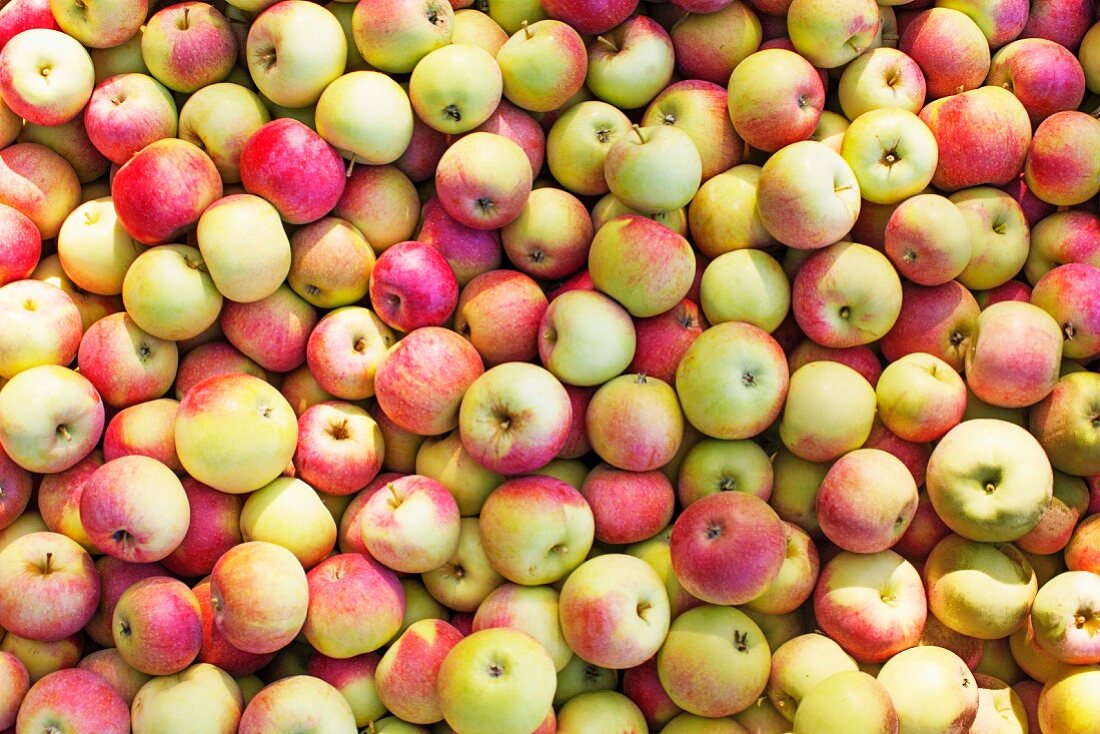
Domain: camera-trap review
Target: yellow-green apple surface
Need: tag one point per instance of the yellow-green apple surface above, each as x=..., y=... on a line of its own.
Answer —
x=630, y=64
x=881, y=78
x=73, y=699
x=95, y=251
x=1065, y=616
x=998, y=236
x=1014, y=355
x=455, y=103
x=981, y=590
x=920, y=397
x=928, y=239
x=411, y=525
x=41, y=327
x=126, y=113
x=483, y=180
x=850, y=702
x=599, y=711
x=468, y=577
x=298, y=703
x=989, y=480
x=614, y=611
x=188, y=46
x=578, y=143
x=820, y=389
x=163, y=189
x=355, y=606
x=543, y=65
x=578, y=677
x=100, y=24
x=1063, y=424
x=124, y=58
x=50, y=418
x=157, y=626
x=115, y=576
x=330, y=263
x=830, y=130
x=260, y=596
x=294, y=50
x=715, y=533
x=535, y=529
x=445, y=460
x=220, y=118
x=799, y=665
x=354, y=678
x=475, y=28
x=1000, y=22
x=710, y=45
x=43, y=658
x=932, y=690
x=655, y=169
x=394, y=35
x=289, y=513
x=235, y=433
x=699, y=108
x=723, y=214
x=203, y=695
x=497, y=681
x=530, y=609
x=1057, y=171
x=249, y=268
x=1089, y=56
x=643, y=265
x=872, y=604
x=183, y=311
x=746, y=285
x=46, y=76
x=775, y=98
x=39, y=184
x=113, y=503
x=53, y=586
x=796, y=579
x=367, y=116
x=829, y=34
x=892, y=153
x=729, y=645
x=551, y=236
x=808, y=197
x=866, y=501
x=407, y=675
x=586, y=338
x=962, y=123
x=713, y=465
x=1068, y=699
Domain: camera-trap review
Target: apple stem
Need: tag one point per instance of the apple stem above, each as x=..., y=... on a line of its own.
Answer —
x=64, y=433
x=527, y=31
x=88, y=217
x=607, y=42
x=351, y=166
x=638, y=132
x=49, y=562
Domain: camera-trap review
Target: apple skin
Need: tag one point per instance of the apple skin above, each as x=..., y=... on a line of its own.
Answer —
x=294, y=49
x=939, y=320
x=294, y=168
x=950, y=49
x=483, y=180
x=18, y=682
x=1066, y=700
x=709, y=46
x=1053, y=172
x=23, y=15
x=94, y=250
x=188, y=46
x=812, y=387
x=202, y=694
x=588, y=19
x=782, y=111
x=1061, y=293
x=920, y=397
x=218, y=651
x=407, y=674
x=117, y=129
x=729, y=645
x=115, y=577
x=578, y=143
x=393, y=35
x=454, y=104
x=573, y=325
x=662, y=340
x=940, y=703
x=340, y=448
x=642, y=685
x=1062, y=423
x=375, y=133
x=859, y=480
x=928, y=240
x=417, y=358
x=330, y=263
x=700, y=109
x=499, y=311
x=21, y=245
x=1044, y=75
x=829, y=36
x=40, y=184
x=1071, y=236
x=168, y=165
x=157, y=626
x=656, y=169
x=1063, y=616
x=272, y=331
x=192, y=306
x=212, y=359
x=961, y=124
x=54, y=585
x=38, y=402
x=126, y=365
x=519, y=126
x=860, y=358
x=412, y=525
x=723, y=215
x=873, y=605
x=543, y=65
x=997, y=454
x=43, y=327
x=1057, y=527
x=67, y=64
x=1062, y=21
x=625, y=257
x=550, y=238
x=468, y=251
x=799, y=665
x=346, y=373
x=412, y=286
x=999, y=22
x=355, y=606
x=201, y=121
x=297, y=703
x=354, y=678
x=645, y=410
x=290, y=513
x=75, y=699
x=17, y=488
x=628, y=507
x=1002, y=372
x=881, y=77
x=630, y=64
x=214, y=529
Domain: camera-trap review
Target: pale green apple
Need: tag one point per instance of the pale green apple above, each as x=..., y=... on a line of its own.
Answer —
x=394, y=35
x=496, y=681
x=881, y=78
x=220, y=119
x=570, y=471
x=1063, y=423
x=580, y=676
x=464, y=581
x=723, y=215
x=203, y=695
x=95, y=250
x=586, y=338
x=656, y=552
x=920, y=397
x=713, y=466
x=330, y=263
x=124, y=58
x=182, y=310
x=799, y=665
x=1089, y=56
x=419, y=605
x=830, y=33
x=999, y=239
x=830, y=410
x=892, y=153
x=654, y=169
x=932, y=690
x=288, y=512
x=512, y=14
x=50, y=418
x=830, y=130
x=745, y=285
x=847, y=703
x=543, y=65
x=692, y=724
x=578, y=144
x=631, y=63
x=455, y=103
x=608, y=207
x=294, y=50
x=244, y=246
x=366, y=115
x=598, y=712
x=445, y=460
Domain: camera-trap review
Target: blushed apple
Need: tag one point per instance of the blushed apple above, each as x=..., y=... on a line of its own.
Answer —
x=406, y=677
x=586, y=338
x=55, y=587
x=43, y=327
x=1049, y=173
x=709, y=46
x=723, y=215
x=345, y=349
x=994, y=367
x=947, y=699
x=928, y=240
x=455, y=103
x=294, y=49
x=188, y=46
x=551, y=236
x=76, y=699
x=126, y=113
x=355, y=606
x=157, y=626
x=411, y=525
x=186, y=310
x=295, y=703
x=46, y=76
x=920, y=397
x=700, y=109
x=40, y=184
x=394, y=35
x=412, y=285
x=201, y=694
x=483, y=180
x=939, y=320
x=829, y=36
x=126, y=365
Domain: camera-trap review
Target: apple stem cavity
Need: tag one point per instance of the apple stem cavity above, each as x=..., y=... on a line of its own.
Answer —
x=63, y=432
x=609, y=43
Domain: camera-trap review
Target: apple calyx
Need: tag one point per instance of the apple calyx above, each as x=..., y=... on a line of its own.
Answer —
x=496, y=670
x=339, y=431
x=641, y=379
x=451, y=111
x=741, y=641
x=124, y=629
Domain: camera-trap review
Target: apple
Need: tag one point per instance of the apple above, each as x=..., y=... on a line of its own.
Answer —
x=407, y=675
x=950, y=49
x=475, y=28
x=188, y=46
x=368, y=117
x=394, y=35
x=117, y=129
x=186, y=310
x=723, y=215
x=70, y=141
x=1059, y=293
x=43, y=327
x=451, y=103
x=939, y=320
x=354, y=678
x=1000, y=22
x=520, y=127
x=1063, y=615
x=467, y=578
x=699, y=108
x=162, y=190
x=412, y=285
x=235, y=433
x=157, y=626
x=214, y=529
x=630, y=64
x=643, y=408
x=94, y=249
x=126, y=365
x=1065, y=237
x=22, y=245
x=858, y=480
x=892, y=153
x=928, y=239
x=39, y=184
x=1044, y=75
x=961, y=125
x=578, y=143
x=920, y=397
x=801, y=664
x=273, y=331
x=999, y=236
x=989, y=480
x=294, y=49
x=881, y=78
x=1057, y=526
x=543, y=65
x=288, y=512
x=829, y=36
x=340, y=447
x=626, y=253
x=657, y=168
x=551, y=236
x=17, y=683
x=297, y=703
x=725, y=642
x=808, y=196
x=1062, y=422
x=710, y=45
x=50, y=418
x=1014, y=355
x=946, y=699
x=54, y=583
x=445, y=460
x=24, y=15
x=851, y=701
x=535, y=529
x=1049, y=173
x=499, y=311
x=355, y=606
x=642, y=686
x=579, y=676
x=587, y=19
x=218, y=651
x=46, y=76
x=211, y=359
x=496, y=679
x=202, y=694
x=586, y=338
x=483, y=180
x=221, y=135
x=610, y=492
x=1066, y=700
x=345, y=349
x=662, y=340
x=330, y=264
x=74, y=699
x=412, y=524
x=873, y=605
x=468, y=251
x=826, y=388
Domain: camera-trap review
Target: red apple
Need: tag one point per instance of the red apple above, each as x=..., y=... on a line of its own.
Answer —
x=467, y=250
x=499, y=311
x=20, y=245
x=216, y=649
x=214, y=529
x=939, y=320
x=157, y=626
x=412, y=285
x=52, y=585
x=950, y=49
x=74, y=700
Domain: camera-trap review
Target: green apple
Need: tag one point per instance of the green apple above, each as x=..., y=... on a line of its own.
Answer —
x=295, y=49
x=203, y=695
x=800, y=665
x=95, y=250
x=394, y=35
x=543, y=65
x=830, y=33
x=444, y=459
x=631, y=63
x=892, y=153
x=586, y=338
x=847, y=703
x=999, y=240
x=244, y=247
x=830, y=410
x=580, y=676
x=367, y=116
x=745, y=285
x=713, y=466
x=655, y=169
x=881, y=78
x=467, y=578
x=455, y=103
x=1065, y=426
x=597, y=712
x=289, y=513
x=920, y=397
x=578, y=144
x=51, y=417
x=932, y=690
x=220, y=118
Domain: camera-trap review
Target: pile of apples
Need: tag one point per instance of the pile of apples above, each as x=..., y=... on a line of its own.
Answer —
x=521, y=366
